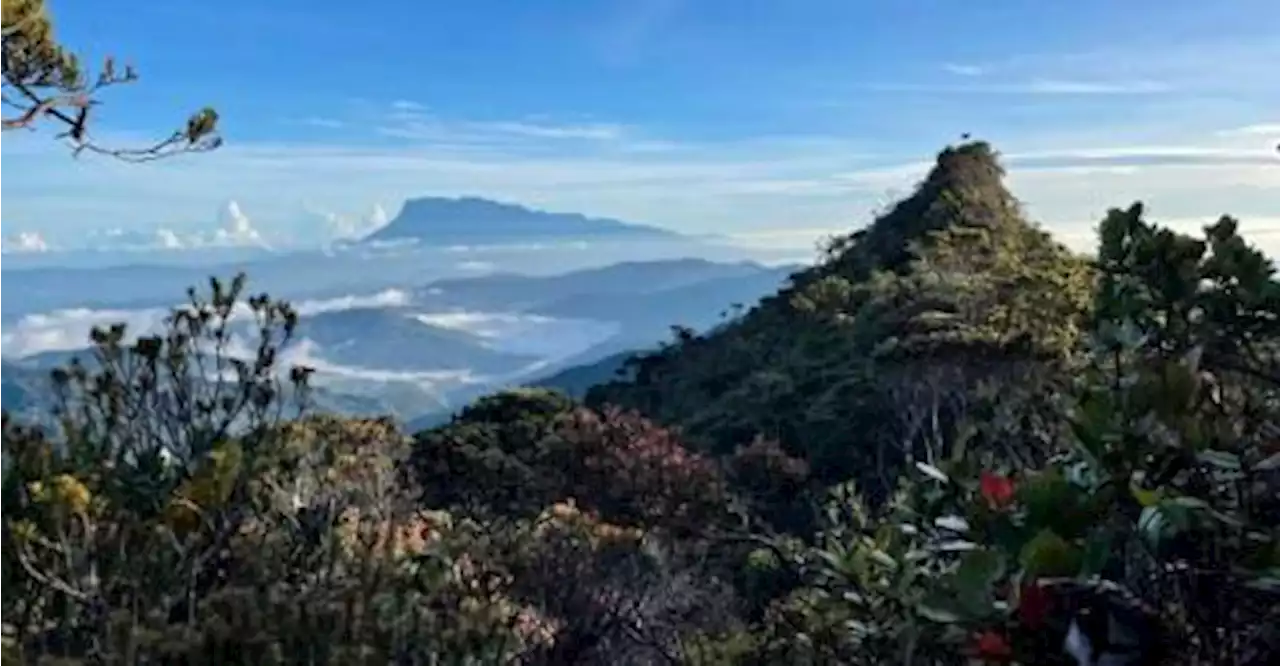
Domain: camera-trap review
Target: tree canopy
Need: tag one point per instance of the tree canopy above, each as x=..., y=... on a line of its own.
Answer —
x=46, y=84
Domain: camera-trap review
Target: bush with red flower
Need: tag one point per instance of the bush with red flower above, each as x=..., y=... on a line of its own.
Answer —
x=1152, y=534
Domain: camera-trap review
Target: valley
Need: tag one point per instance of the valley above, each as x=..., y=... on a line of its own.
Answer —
x=414, y=351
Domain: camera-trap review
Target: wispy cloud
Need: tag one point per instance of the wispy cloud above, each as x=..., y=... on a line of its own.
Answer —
x=599, y=132
x=623, y=171
x=1038, y=86
x=963, y=69
x=1259, y=129
x=416, y=123
x=1070, y=87
x=407, y=105
x=323, y=123
x=1136, y=156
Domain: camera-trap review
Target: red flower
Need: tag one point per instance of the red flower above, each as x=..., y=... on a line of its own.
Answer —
x=1034, y=603
x=997, y=490
x=990, y=646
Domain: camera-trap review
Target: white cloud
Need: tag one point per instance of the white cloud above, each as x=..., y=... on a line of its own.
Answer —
x=323, y=123
x=378, y=218
x=594, y=131
x=343, y=227
x=962, y=69
x=116, y=239
x=722, y=186
x=307, y=353
x=1033, y=86
x=407, y=105
x=236, y=229
x=476, y=266
x=548, y=338
x=1259, y=129
x=417, y=124
x=26, y=241
x=384, y=299
x=1074, y=87
x=169, y=240
x=68, y=329
x=534, y=335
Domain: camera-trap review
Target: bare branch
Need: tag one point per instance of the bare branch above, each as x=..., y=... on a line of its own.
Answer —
x=39, y=71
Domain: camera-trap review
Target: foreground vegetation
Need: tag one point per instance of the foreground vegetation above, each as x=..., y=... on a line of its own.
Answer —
x=952, y=441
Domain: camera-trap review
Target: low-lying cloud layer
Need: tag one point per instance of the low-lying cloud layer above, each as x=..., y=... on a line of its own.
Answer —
x=547, y=339
x=233, y=229
x=69, y=329
x=527, y=334
x=25, y=241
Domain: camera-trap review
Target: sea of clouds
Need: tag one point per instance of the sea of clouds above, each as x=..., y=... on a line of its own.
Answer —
x=549, y=339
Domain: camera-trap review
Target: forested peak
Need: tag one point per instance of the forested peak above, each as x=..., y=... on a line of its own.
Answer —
x=964, y=189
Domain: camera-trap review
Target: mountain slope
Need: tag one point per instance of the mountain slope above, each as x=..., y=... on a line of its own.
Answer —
x=698, y=305
x=476, y=221
x=510, y=292
x=576, y=381
x=949, y=289
x=391, y=339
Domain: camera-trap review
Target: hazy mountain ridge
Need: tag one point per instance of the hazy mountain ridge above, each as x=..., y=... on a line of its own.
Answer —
x=516, y=292
x=436, y=347
x=395, y=339
x=577, y=380
x=474, y=220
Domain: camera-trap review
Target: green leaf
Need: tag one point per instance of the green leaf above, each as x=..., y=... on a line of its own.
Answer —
x=1145, y=497
x=932, y=472
x=1088, y=444
x=980, y=569
x=1097, y=551
x=1187, y=502
x=1154, y=526
x=1178, y=388
x=941, y=608
x=1272, y=462
x=1269, y=582
x=1220, y=459
x=1048, y=554
x=1048, y=498
x=884, y=559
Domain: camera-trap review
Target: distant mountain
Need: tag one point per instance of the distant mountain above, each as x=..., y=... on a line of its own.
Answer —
x=647, y=316
x=428, y=421
x=19, y=387
x=476, y=221
x=645, y=299
x=577, y=380
x=394, y=340
x=509, y=292
x=27, y=390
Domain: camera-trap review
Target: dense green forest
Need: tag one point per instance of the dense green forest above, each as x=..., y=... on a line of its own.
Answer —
x=950, y=441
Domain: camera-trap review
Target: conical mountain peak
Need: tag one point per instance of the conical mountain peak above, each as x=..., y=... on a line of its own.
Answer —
x=964, y=189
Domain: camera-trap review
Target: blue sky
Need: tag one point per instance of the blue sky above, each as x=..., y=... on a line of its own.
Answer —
x=773, y=121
